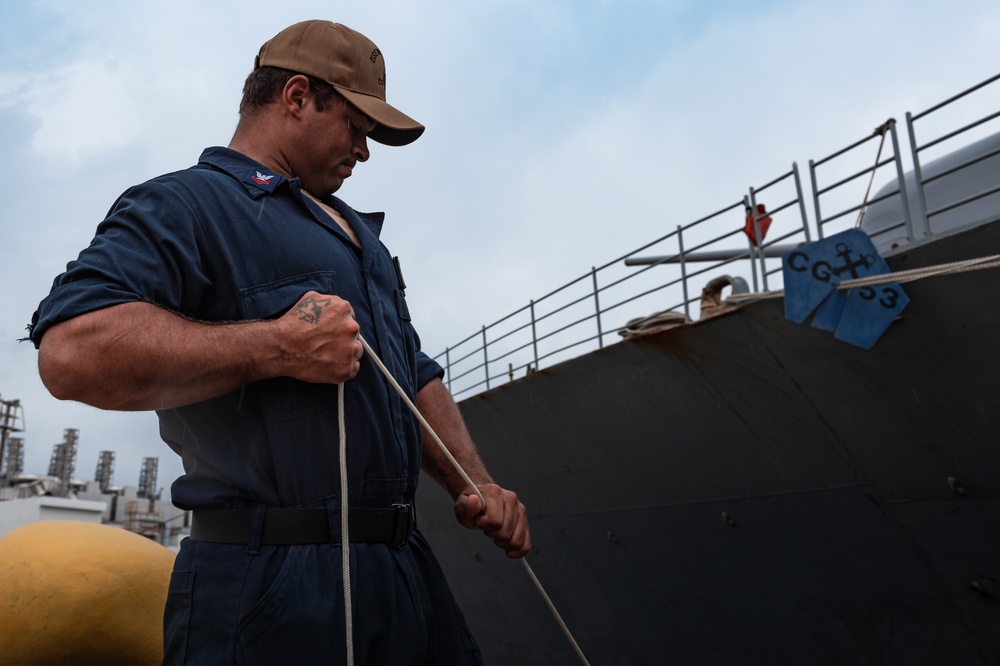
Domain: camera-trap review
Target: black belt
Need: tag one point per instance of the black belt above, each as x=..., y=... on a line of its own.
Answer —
x=293, y=527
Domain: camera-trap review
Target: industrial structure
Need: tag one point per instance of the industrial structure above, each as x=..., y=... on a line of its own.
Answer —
x=26, y=498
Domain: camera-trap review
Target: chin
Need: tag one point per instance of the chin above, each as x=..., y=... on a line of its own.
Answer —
x=324, y=189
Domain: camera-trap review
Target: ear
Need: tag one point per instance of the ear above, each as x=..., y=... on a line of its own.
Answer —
x=296, y=95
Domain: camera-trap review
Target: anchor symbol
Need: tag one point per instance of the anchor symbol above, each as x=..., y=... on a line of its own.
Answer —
x=844, y=252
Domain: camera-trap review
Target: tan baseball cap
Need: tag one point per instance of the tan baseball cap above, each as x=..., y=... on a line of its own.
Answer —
x=348, y=61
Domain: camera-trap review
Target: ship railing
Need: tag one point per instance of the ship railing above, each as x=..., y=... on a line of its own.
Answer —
x=797, y=203
x=850, y=189
x=979, y=127
x=598, y=307
x=617, y=297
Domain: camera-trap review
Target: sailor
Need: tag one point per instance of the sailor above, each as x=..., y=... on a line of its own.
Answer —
x=229, y=297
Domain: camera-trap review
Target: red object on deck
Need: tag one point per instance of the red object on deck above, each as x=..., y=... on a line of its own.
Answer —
x=762, y=219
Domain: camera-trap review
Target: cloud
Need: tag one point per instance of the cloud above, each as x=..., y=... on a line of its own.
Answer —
x=80, y=108
x=559, y=134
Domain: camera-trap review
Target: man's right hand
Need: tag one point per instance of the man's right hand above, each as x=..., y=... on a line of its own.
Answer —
x=323, y=339
x=138, y=356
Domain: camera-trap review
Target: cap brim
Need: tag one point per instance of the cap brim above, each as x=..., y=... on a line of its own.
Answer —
x=394, y=127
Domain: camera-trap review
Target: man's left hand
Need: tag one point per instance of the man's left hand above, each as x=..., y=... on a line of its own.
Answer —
x=504, y=519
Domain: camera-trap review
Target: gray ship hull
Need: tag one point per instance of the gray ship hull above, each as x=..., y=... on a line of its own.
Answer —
x=746, y=490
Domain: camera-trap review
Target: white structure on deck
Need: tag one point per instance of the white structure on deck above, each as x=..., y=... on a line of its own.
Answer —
x=29, y=510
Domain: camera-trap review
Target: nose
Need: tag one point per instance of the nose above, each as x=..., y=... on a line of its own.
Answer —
x=360, y=148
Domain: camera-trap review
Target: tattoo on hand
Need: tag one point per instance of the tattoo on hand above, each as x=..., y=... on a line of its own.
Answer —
x=310, y=309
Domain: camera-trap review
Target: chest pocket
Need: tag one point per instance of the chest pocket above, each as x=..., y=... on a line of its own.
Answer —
x=269, y=301
x=284, y=398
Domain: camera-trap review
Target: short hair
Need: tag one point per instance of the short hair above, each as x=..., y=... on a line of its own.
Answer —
x=264, y=85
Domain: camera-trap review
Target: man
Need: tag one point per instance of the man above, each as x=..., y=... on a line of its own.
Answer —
x=230, y=297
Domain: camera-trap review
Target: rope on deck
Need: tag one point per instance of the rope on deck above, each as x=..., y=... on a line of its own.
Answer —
x=911, y=275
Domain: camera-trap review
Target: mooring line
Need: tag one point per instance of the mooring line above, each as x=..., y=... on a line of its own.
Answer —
x=902, y=277
x=469, y=482
x=345, y=544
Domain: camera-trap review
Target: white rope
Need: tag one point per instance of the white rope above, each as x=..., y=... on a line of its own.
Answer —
x=964, y=266
x=423, y=421
x=911, y=275
x=468, y=481
x=555, y=612
x=345, y=544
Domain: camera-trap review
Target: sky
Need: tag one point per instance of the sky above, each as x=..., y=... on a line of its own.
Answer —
x=560, y=135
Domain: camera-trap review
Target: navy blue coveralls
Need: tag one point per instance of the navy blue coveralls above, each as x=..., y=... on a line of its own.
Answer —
x=228, y=240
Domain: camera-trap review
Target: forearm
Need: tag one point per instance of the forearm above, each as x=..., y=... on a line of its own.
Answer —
x=503, y=518
x=138, y=356
x=439, y=409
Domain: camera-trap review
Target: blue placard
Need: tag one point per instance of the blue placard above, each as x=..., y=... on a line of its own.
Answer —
x=803, y=291
x=828, y=313
x=868, y=313
x=812, y=273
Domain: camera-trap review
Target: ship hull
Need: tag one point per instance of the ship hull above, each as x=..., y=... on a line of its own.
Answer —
x=746, y=490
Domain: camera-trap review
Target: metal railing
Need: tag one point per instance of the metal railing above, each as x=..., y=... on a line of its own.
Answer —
x=862, y=202
x=621, y=294
x=760, y=251
x=630, y=287
x=925, y=214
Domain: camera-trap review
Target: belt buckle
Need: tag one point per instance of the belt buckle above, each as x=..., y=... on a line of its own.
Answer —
x=403, y=526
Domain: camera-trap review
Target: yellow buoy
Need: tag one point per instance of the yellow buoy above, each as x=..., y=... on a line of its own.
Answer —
x=81, y=593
